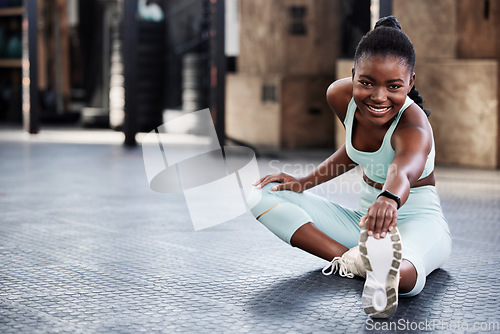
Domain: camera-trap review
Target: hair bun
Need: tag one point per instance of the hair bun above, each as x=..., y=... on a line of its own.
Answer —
x=388, y=21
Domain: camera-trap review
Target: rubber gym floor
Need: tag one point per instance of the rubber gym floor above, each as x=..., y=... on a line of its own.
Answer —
x=87, y=247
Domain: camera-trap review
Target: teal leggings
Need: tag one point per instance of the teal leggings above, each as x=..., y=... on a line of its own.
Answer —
x=424, y=231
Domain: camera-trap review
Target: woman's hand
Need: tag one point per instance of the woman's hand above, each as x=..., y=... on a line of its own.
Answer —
x=287, y=182
x=381, y=217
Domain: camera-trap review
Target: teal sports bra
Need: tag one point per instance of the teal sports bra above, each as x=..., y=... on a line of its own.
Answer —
x=376, y=164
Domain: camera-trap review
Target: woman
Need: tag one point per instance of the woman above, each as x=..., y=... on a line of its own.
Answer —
x=399, y=225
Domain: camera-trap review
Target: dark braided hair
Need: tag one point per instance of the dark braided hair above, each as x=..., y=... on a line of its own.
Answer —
x=387, y=38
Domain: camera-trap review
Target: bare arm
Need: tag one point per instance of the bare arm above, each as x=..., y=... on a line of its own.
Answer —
x=339, y=95
x=338, y=163
x=412, y=142
x=412, y=146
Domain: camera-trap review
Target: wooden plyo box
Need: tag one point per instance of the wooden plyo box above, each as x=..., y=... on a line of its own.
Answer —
x=478, y=34
x=443, y=29
x=457, y=43
x=279, y=112
x=431, y=25
x=462, y=95
x=289, y=37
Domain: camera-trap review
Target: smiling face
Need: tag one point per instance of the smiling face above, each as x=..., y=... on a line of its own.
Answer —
x=380, y=87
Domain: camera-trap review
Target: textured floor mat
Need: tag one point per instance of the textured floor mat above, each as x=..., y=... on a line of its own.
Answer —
x=87, y=247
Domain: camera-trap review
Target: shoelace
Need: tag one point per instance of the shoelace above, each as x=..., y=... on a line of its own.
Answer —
x=340, y=265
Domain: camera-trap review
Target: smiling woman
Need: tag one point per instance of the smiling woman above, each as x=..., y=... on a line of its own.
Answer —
x=380, y=87
x=398, y=234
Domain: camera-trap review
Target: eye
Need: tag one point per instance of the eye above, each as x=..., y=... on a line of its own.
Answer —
x=394, y=87
x=365, y=83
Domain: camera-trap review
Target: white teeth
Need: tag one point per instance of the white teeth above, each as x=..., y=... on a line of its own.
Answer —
x=379, y=110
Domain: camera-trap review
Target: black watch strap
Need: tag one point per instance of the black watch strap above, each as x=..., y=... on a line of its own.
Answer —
x=388, y=194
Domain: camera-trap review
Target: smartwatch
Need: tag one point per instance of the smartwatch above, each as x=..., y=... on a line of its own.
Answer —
x=388, y=194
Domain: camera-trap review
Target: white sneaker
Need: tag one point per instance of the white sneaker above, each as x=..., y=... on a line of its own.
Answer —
x=382, y=259
x=349, y=264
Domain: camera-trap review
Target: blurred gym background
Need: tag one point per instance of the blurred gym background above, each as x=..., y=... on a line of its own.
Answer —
x=261, y=66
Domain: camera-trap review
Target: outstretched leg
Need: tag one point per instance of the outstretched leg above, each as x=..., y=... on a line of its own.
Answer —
x=407, y=276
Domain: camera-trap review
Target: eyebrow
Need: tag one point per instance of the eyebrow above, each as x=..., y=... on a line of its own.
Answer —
x=389, y=81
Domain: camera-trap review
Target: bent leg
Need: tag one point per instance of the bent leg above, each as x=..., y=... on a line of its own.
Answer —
x=313, y=241
x=306, y=217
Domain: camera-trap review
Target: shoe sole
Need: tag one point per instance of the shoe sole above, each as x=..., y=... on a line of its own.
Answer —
x=382, y=259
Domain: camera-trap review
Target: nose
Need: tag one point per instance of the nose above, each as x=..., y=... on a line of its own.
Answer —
x=379, y=95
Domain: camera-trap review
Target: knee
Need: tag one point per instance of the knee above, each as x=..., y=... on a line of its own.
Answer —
x=257, y=196
x=412, y=280
x=408, y=278
x=254, y=197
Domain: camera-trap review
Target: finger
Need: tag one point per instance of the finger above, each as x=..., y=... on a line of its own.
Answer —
x=285, y=186
x=394, y=219
x=385, y=219
x=262, y=183
x=389, y=216
x=259, y=181
x=394, y=222
x=393, y=225
x=382, y=220
x=391, y=220
x=377, y=224
x=362, y=221
x=370, y=221
x=268, y=179
x=277, y=187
